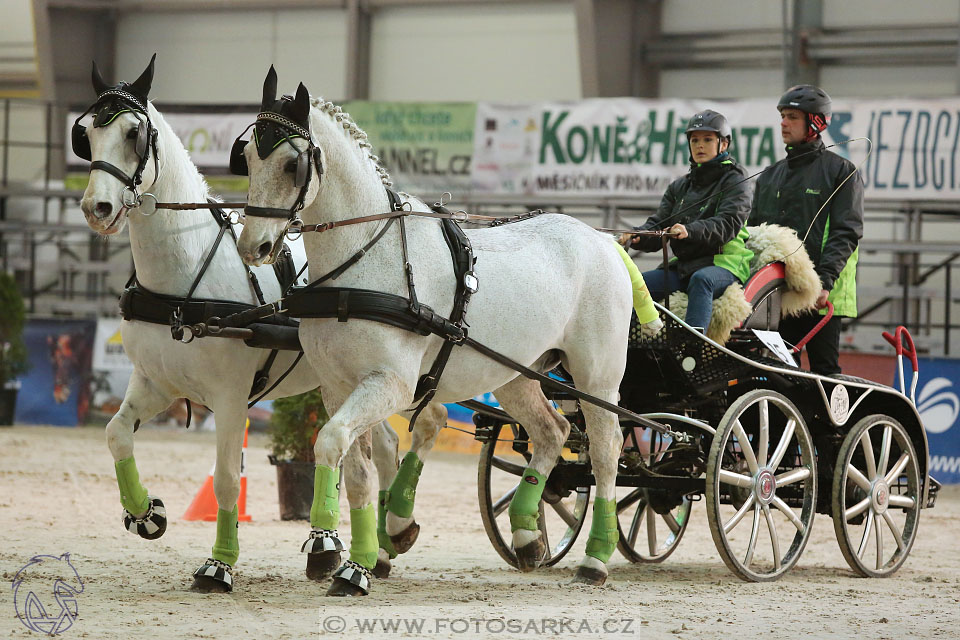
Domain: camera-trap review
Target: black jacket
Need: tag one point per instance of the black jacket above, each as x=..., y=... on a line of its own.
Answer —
x=712, y=201
x=791, y=192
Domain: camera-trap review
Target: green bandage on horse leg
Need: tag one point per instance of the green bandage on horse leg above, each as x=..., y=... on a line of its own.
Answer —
x=363, y=536
x=226, y=548
x=403, y=489
x=525, y=506
x=133, y=496
x=325, y=511
x=603, y=530
x=382, y=537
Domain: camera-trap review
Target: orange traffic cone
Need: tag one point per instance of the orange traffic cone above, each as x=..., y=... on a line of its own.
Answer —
x=204, y=505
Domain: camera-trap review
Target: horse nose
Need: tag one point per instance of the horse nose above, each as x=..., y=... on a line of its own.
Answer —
x=264, y=250
x=103, y=209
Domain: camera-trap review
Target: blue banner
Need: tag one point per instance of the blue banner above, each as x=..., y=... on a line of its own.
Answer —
x=938, y=403
x=56, y=389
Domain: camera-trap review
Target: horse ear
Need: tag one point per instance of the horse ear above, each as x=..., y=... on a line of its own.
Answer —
x=269, y=89
x=141, y=87
x=300, y=109
x=98, y=83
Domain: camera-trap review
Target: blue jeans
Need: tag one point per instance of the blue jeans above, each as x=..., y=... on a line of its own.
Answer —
x=702, y=287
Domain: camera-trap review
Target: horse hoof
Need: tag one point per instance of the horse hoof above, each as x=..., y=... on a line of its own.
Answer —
x=382, y=570
x=351, y=579
x=403, y=541
x=152, y=524
x=589, y=575
x=321, y=565
x=531, y=555
x=213, y=577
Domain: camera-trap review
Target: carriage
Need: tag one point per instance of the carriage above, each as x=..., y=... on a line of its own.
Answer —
x=765, y=445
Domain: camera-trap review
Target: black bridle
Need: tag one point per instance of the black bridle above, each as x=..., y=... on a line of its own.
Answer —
x=312, y=154
x=146, y=138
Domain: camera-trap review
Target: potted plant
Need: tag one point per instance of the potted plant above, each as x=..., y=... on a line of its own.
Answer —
x=13, y=352
x=293, y=431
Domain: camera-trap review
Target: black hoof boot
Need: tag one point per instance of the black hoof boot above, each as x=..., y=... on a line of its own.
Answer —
x=321, y=565
x=323, y=549
x=151, y=524
x=531, y=555
x=351, y=579
x=589, y=575
x=403, y=541
x=213, y=577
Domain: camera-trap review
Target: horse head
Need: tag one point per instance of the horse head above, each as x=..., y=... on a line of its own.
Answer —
x=285, y=167
x=120, y=145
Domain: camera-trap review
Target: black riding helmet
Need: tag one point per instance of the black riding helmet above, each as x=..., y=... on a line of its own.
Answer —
x=709, y=120
x=813, y=101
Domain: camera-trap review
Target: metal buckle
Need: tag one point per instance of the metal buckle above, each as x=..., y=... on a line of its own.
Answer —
x=470, y=282
x=153, y=209
x=234, y=217
x=134, y=200
x=294, y=229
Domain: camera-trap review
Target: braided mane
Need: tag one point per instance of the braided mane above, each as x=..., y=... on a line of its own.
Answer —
x=336, y=112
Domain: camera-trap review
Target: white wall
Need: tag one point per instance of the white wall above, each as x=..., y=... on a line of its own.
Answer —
x=719, y=84
x=514, y=53
x=696, y=16
x=889, y=13
x=223, y=56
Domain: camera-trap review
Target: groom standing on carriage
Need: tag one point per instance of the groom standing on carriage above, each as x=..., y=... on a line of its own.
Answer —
x=820, y=195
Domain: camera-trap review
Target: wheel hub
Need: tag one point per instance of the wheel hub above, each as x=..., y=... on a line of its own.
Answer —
x=880, y=497
x=765, y=486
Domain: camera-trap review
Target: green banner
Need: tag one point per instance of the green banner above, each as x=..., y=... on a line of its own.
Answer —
x=426, y=146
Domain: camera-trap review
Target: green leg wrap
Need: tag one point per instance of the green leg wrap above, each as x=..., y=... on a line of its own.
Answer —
x=325, y=511
x=603, y=530
x=227, y=548
x=133, y=496
x=403, y=490
x=525, y=507
x=363, y=536
x=642, y=301
x=382, y=536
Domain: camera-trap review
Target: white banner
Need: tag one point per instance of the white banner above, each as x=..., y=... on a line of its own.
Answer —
x=108, y=353
x=635, y=147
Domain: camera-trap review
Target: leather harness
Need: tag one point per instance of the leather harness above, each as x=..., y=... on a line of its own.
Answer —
x=275, y=333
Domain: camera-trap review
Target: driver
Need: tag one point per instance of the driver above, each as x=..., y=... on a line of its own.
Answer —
x=706, y=209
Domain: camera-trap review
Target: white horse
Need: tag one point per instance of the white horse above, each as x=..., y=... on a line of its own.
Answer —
x=551, y=290
x=168, y=251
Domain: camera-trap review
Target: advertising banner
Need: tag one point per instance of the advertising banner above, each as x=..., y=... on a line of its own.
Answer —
x=938, y=401
x=56, y=389
x=635, y=147
x=426, y=147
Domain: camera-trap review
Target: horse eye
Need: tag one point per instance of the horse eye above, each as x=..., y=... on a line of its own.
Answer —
x=132, y=134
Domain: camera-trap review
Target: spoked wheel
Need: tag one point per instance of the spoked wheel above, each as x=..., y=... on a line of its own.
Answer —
x=761, y=486
x=876, y=496
x=562, y=510
x=650, y=521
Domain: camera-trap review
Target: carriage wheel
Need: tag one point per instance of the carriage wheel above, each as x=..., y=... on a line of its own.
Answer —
x=561, y=516
x=876, y=496
x=761, y=486
x=650, y=522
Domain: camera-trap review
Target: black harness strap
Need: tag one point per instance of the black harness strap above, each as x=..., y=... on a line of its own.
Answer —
x=463, y=261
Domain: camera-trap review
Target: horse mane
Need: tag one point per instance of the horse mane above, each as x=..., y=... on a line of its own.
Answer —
x=177, y=169
x=343, y=118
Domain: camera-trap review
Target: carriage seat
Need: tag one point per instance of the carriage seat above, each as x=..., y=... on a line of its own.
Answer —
x=783, y=282
x=764, y=293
